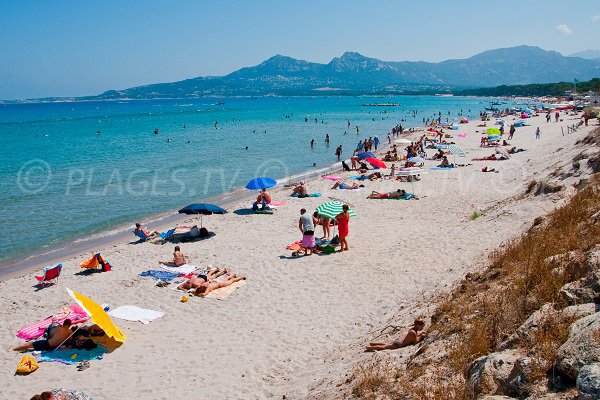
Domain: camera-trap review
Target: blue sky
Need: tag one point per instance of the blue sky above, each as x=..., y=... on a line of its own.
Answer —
x=74, y=48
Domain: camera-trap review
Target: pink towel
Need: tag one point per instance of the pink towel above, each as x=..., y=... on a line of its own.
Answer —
x=331, y=177
x=73, y=312
x=278, y=203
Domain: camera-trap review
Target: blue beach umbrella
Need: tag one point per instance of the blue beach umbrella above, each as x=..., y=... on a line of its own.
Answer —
x=202, y=209
x=261, y=183
x=365, y=154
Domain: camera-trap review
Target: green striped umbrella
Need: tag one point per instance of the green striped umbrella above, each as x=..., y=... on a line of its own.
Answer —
x=332, y=209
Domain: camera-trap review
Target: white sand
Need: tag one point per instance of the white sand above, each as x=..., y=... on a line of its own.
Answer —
x=280, y=333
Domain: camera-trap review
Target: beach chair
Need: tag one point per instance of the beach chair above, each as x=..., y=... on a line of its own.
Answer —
x=168, y=234
x=50, y=276
x=141, y=235
x=96, y=262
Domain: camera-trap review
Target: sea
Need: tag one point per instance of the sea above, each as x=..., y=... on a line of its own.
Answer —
x=71, y=171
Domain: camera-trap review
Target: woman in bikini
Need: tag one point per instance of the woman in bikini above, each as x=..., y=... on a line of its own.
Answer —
x=178, y=259
x=198, y=280
x=217, y=283
x=412, y=337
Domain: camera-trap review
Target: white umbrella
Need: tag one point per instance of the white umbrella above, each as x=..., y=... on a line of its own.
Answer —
x=411, y=171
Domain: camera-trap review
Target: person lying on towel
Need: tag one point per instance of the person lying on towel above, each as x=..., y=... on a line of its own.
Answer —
x=198, y=280
x=54, y=335
x=398, y=194
x=344, y=186
x=220, y=282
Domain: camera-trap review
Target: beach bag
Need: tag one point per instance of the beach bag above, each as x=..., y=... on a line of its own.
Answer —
x=27, y=365
x=335, y=240
x=328, y=249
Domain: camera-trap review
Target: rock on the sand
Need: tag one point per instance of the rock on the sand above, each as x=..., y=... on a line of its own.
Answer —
x=488, y=374
x=588, y=382
x=581, y=348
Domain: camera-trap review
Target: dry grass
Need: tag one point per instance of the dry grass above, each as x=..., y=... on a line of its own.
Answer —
x=487, y=307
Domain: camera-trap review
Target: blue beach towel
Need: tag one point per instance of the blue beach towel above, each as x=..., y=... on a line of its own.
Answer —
x=308, y=195
x=359, y=177
x=72, y=356
x=160, y=275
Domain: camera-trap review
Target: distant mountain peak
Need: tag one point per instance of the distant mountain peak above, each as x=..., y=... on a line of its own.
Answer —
x=589, y=54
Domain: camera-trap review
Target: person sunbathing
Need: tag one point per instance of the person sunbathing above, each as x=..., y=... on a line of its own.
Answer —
x=300, y=190
x=445, y=163
x=375, y=175
x=218, y=283
x=398, y=194
x=54, y=336
x=412, y=337
x=439, y=155
x=179, y=259
x=344, y=186
x=144, y=231
x=199, y=279
x=514, y=150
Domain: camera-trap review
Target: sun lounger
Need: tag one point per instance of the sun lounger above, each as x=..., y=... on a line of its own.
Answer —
x=33, y=331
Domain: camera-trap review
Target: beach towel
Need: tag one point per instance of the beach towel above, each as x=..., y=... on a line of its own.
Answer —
x=407, y=196
x=263, y=212
x=72, y=356
x=487, y=159
x=441, y=168
x=223, y=293
x=359, y=177
x=294, y=246
x=73, y=312
x=134, y=313
x=182, y=269
x=332, y=178
x=160, y=275
x=308, y=195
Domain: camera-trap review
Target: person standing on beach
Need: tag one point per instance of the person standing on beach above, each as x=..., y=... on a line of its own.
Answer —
x=511, y=131
x=343, y=220
x=556, y=116
x=376, y=142
x=538, y=133
x=338, y=152
x=307, y=227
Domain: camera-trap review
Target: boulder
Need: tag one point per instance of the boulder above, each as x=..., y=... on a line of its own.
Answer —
x=588, y=382
x=489, y=374
x=580, y=310
x=516, y=383
x=584, y=290
x=523, y=332
x=581, y=348
x=496, y=397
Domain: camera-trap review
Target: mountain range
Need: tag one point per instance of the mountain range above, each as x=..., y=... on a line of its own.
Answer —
x=353, y=73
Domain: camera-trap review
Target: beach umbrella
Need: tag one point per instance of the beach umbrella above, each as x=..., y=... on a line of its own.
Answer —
x=456, y=151
x=493, y=131
x=411, y=171
x=365, y=154
x=402, y=141
x=261, y=183
x=376, y=162
x=332, y=209
x=416, y=160
x=98, y=315
x=202, y=209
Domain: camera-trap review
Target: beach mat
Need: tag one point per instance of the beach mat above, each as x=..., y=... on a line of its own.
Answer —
x=223, y=293
x=72, y=356
x=182, y=269
x=442, y=168
x=72, y=312
x=136, y=314
x=308, y=195
x=159, y=275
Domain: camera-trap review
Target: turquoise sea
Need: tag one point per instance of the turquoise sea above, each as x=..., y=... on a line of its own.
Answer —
x=60, y=180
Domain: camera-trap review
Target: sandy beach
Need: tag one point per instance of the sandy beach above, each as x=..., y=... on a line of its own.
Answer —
x=299, y=324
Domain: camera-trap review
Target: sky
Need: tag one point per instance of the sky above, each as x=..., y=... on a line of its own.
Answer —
x=78, y=48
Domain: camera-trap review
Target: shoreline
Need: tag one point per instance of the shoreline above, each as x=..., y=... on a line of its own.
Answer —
x=19, y=265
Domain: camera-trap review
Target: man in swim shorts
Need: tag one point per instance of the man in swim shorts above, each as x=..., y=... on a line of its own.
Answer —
x=55, y=335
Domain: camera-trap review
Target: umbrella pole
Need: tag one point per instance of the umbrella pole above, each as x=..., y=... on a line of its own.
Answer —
x=201, y=217
x=63, y=342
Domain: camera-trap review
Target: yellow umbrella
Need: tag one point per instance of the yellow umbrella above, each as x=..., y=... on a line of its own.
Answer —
x=98, y=315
